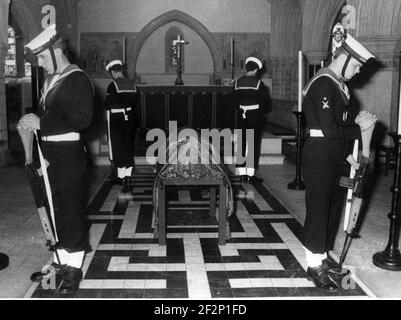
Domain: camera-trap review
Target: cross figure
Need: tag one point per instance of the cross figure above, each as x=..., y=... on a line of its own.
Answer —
x=177, y=57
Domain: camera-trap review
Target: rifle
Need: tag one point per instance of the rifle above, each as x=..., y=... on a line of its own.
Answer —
x=41, y=197
x=355, y=185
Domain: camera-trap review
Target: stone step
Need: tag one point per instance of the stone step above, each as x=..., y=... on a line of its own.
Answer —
x=271, y=152
x=270, y=145
x=265, y=159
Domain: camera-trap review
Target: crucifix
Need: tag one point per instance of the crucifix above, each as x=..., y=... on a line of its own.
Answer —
x=177, y=57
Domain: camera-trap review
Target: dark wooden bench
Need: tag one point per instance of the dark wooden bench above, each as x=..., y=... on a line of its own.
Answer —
x=214, y=184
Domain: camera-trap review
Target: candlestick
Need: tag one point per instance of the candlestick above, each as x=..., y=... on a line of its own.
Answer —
x=298, y=184
x=399, y=107
x=390, y=258
x=300, y=80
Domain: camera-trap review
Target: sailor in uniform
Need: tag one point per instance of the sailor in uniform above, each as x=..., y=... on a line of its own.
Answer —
x=66, y=108
x=330, y=126
x=252, y=100
x=120, y=104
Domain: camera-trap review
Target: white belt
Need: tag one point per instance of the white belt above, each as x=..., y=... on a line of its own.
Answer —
x=314, y=133
x=120, y=110
x=71, y=136
x=248, y=108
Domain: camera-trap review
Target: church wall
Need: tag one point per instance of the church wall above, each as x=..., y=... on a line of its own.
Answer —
x=378, y=26
x=248, y=23
x=132, y=16
x=3, y=51
x=198, y=64
x=286, y=41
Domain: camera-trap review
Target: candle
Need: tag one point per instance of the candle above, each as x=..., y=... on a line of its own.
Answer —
x=232, y=52
x=124, y=61
x=300, y=82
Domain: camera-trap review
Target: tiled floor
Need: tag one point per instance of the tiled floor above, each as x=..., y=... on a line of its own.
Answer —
x=263, y=259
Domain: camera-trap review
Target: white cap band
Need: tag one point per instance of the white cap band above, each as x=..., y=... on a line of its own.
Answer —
x=113, y=63
x=255, y=60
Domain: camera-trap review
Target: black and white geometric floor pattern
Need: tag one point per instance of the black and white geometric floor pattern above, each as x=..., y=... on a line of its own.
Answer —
x=264, y=258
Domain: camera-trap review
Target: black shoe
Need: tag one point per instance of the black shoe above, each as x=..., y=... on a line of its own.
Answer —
x=255, y=179
x=334, y=269
x=321, y=278
x=71, y=279
x=54, y=267
x=329, y=263
x=126, y=185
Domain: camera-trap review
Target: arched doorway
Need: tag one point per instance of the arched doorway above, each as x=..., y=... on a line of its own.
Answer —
x=185, y=19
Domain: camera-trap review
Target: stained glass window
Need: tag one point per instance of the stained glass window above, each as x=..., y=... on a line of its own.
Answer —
x=28, y=71
x=11, y=58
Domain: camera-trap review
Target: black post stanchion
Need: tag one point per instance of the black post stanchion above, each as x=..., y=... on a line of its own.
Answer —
x=390, y=258
x=4, y=261
x=298, y=184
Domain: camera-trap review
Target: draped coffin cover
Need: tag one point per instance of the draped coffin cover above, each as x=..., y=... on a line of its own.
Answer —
x=192, y=158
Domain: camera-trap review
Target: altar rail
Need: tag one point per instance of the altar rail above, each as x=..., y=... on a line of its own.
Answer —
x=195, y=107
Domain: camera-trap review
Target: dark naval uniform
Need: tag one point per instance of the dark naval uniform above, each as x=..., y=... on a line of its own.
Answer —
x=120, y=102
x=66, y=109
x=252, y=100
x=330, y=126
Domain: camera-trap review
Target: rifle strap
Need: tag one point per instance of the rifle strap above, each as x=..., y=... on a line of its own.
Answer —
x=47, y=185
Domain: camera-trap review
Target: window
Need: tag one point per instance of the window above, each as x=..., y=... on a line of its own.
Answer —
x=14, y=57
x=11, y=58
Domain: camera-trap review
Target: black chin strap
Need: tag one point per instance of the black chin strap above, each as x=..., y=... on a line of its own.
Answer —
x=346, y=65
x=53, y=59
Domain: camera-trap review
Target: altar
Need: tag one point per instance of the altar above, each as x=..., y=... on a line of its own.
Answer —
x=196, y=107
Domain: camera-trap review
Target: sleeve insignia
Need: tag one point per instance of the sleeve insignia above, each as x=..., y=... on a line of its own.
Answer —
x=325, y=103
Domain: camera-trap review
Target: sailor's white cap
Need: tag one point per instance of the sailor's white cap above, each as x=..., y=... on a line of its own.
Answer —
x=255, y=60
x=113, y=63
x=44, y=40
x=357, y=50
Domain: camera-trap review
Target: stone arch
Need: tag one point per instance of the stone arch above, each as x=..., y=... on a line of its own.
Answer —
x=25, y=19
x=318, y=20
x=179, y=16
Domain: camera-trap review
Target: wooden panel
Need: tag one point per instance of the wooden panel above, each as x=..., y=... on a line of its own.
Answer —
x=225, y=113
x=202, y=110
x=179, y=108
x=155, y=110
x=191, y=106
